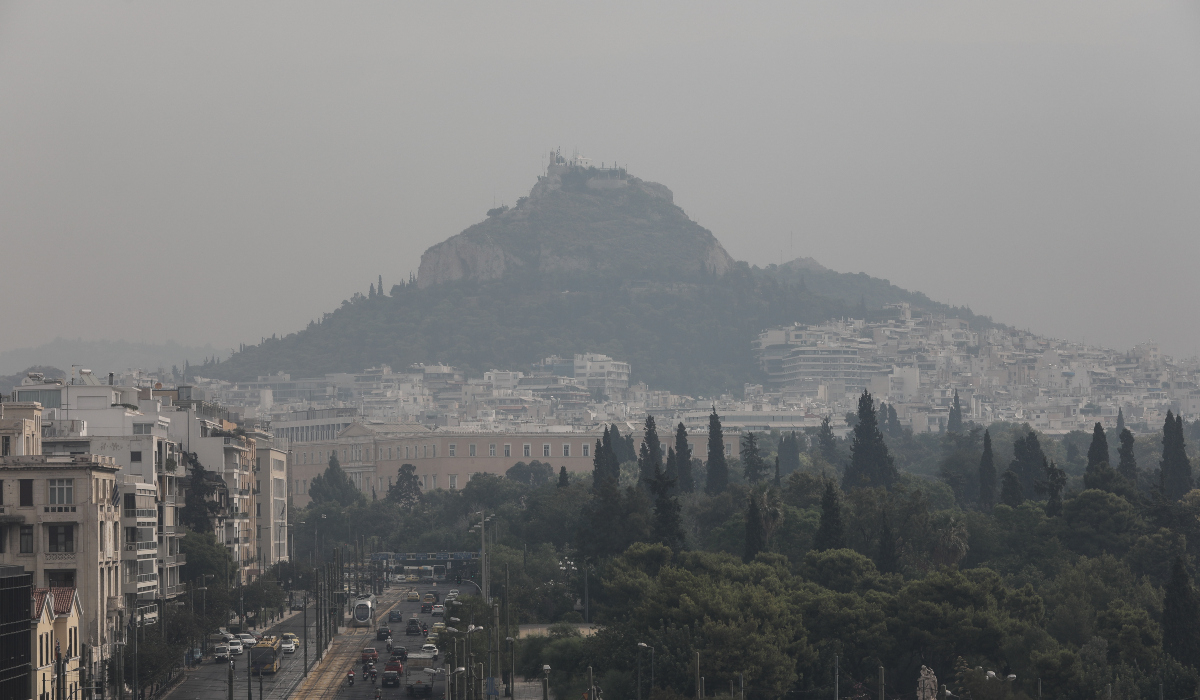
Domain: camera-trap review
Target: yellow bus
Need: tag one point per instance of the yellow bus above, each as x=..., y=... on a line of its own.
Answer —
x=265, y=656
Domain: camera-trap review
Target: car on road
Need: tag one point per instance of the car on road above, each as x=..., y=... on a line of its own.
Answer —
x=454, y=592
x=288, y=646
x=290, y=635
x=438, y=610
x=383, y=633
x=370, y=654
x=429, y=598
x=412, y=578
x=433, y=637
x=298, y=605
x=413, y=597
x=390, y=679
x=426, y=607
x=437, y=597
x=248, y=640
x=430, y=649
x=413, y=628
x=235, y=646
x=438, y=627
x=220, y=653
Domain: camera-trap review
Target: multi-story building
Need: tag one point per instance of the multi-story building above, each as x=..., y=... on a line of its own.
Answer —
x=270, y=503
x=56, y=616
x=16, y=600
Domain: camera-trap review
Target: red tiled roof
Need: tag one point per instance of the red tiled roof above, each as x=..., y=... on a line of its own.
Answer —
x=63, y=597
x=39, y=599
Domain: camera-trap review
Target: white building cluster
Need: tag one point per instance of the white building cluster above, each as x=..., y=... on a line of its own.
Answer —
x=916, y=364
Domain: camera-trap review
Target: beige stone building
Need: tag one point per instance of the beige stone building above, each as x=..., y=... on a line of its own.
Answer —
x=57, y=617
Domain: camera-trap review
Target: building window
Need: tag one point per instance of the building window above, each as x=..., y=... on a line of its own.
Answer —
x=135, y=456
x=491, y=450
x=389, y=453
x=62, y=538
x=546, y=450
x=26, y=539
x=527, y=451
x=26, y=492
x=453, y=447
x=453, y=481
x=434, y=481
x=142, y=428
x=62, y=492
x=586, y=449
x=728, y=449
x=472, y=450
x=5, y=446
x=435, y=451
x=258, y=510
x=406, y=451
x=508, y=450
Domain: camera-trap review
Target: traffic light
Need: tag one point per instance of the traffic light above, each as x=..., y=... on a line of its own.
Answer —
x=458, y=579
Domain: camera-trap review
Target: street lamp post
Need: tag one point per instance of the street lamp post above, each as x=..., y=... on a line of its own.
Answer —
x=643, y=645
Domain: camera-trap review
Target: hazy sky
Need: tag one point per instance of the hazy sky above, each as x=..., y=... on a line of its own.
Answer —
x=212, y=172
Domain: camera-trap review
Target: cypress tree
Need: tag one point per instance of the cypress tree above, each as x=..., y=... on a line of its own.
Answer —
x=755, y=535
x=683, y=461
x=987, y=474
x=650, y=458
x=718, y=470
x=954, y=423
x=1120, y=421
x=777, y=478
x=1181, y=617
x=894, y=428
x=668, y=527
x=563, y=480
x=754, y=468
x=1056, y=480
x=1028, y=459
x=829, y=533
x=671, y=470
x=1011, y=492
x=1176, y=474
x=1098, y=451
x=381, y=285
x=827, y=442
x=870, y=463
x=1127, y=464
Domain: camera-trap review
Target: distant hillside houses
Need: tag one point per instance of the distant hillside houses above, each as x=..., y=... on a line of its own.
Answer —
x=917, y=364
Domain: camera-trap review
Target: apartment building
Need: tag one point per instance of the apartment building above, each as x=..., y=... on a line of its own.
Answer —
x=16, y=599
x=270, y=504
x=57, y=615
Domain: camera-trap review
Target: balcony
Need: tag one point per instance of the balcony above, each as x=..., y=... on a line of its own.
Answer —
x=167, y=529
x=60, y=557
x=237, y=540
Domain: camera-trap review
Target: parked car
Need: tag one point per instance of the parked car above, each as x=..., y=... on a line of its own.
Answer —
x=221, y=653
x=288, y=646
x=235, y=646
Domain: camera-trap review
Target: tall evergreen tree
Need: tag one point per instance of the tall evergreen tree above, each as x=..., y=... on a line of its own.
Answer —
x=870, y=463
x=894, y=428
x=650, y=457
x=954, y=423
x=1028, y=459
x=334, y=486
x=563, y=480
x=789, y=453
x=754, y=467
x=1056, y=481
x=683, y=461
x=1127, y=464
x=622, y=446
x=888, y=560
x=407, y=489
x=827, y=442
x=1098, y=450
x=381, y=285
x=606, y=470
x=1181, y=617
x=717, y=468
x=987, y=474
x=830, y=534
x=778, y=477
x=672, y=467
x=1176, y=471
x=755, y=536
x=1120, y=421
x=668, y=524
x=1011, y=491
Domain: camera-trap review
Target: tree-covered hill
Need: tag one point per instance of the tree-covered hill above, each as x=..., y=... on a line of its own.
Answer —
x=617, y=269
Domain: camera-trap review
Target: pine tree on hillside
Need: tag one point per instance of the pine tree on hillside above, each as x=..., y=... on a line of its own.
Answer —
x=1098, y=451
x=754, y=468
x=830, y=534
x=563, y=480
x=1127, y=464
x=718, y=470
x=683, y=461
x=870, y=463
x=1181, y=617
x=1011, y=492
x=1176, y=471
x=987, y=474
x=954, y=423
x=827, y=442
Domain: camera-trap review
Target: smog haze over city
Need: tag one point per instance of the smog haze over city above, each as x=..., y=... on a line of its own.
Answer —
x=162, y=165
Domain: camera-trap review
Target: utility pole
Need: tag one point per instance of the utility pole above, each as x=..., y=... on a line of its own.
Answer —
x=231, y=680
x=304, y=629
x=836, y=678
x=881, y=683
x=508, y=687
x=699, y=686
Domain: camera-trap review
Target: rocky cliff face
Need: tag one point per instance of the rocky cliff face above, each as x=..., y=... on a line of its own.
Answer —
x=581, y=219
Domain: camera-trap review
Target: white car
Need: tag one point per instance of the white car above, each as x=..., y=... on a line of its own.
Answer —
x=248, y=640
x=235, y=646
x=454, y=592
x=438, y=610
x=288, y=646
x=430, y=649
x=221, y=653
